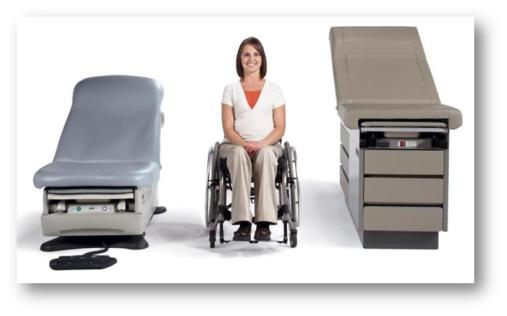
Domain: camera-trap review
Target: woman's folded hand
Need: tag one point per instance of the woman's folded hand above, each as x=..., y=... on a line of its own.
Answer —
x=253, y=147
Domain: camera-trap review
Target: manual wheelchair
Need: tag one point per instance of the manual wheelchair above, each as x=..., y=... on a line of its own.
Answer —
x=218, y=182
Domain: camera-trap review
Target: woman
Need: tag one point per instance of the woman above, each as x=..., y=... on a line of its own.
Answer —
x=253, y=119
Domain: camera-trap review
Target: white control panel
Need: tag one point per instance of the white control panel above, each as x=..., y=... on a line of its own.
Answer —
x=91, y=209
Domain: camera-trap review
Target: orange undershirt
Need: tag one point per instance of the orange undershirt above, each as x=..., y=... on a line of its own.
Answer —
x=252, y=97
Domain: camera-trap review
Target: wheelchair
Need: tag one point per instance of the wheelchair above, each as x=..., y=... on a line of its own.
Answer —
x=218, y=182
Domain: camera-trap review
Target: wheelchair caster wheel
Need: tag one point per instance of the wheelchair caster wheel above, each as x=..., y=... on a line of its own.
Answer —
x=212, y=238
x=293, y=239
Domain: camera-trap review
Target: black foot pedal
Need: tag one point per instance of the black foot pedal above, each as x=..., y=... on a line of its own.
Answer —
x=87, y=261
x=159, y=210
x=83, y=262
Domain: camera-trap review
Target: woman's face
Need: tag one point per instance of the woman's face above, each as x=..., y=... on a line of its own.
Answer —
x=251, y=60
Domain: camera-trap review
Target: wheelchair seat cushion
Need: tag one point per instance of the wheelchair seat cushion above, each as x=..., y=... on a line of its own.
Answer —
x=72, y=174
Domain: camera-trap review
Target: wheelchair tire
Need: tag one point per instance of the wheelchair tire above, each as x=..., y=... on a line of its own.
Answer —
x=293, y=183
x=210, y=202
x=293, y=238
x=212, y=238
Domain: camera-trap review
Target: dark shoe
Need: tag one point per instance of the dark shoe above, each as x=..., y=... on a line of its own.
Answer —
x=243, y=233
x=227, y=215
x=262, y=233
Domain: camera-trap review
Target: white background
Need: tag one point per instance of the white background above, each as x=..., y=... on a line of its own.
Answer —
x=486, y=296
x=194, y=58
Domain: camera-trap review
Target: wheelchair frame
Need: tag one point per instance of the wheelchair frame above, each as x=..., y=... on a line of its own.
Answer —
x=217, y=211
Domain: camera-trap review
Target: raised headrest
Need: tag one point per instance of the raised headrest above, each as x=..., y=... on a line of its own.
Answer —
x=113, y=118
x=379, y=65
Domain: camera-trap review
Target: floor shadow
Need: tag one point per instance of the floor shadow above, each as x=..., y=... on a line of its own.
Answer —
x=244, y=249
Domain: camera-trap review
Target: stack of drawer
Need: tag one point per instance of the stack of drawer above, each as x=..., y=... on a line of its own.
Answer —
x=403, y=190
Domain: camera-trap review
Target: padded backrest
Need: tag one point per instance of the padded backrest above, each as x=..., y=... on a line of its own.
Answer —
x=113, y=119
x=380, y=65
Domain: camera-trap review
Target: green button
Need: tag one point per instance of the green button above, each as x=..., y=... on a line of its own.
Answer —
x=78, y=208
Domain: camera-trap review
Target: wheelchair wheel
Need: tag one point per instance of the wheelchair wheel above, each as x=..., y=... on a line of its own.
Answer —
x=211, y=186
x=212, y=238
x=293, y=183
x=293, y=238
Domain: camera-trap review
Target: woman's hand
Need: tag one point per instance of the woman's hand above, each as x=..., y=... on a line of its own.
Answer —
x=253, y=147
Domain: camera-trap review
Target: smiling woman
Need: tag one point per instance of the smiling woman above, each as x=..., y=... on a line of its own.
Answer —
x=253, y=120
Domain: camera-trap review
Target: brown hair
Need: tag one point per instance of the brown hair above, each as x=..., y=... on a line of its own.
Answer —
x=258, y=46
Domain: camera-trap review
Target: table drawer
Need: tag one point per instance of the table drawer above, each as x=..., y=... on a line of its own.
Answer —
x=396, y=218
x=403, y=190
x=404, y=162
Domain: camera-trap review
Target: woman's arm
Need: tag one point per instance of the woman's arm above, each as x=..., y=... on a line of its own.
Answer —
x=279, y=130
x=228, y=126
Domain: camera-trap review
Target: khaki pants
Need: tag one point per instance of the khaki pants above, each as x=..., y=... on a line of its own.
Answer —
x=264, y=172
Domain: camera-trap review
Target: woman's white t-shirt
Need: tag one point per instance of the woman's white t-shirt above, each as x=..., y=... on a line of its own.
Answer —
x=253, y=124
